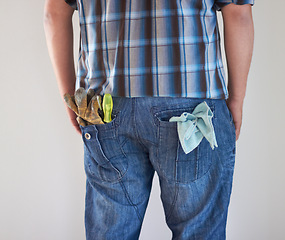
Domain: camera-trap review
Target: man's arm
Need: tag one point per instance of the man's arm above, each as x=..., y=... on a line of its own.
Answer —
x=238, y=39
x=59, y=37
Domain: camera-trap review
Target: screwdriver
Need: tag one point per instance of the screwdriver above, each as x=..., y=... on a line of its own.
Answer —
x=107, y=107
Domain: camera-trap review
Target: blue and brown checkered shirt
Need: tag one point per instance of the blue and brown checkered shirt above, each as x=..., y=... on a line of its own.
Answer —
x=136, y=48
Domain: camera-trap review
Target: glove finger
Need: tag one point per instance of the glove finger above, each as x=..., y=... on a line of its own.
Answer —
x=88, y=110
x=70, y=102
x=99, y=100
x=81, y=100
x=90, y=95
x=93, y=112
x=81, y=121
x=96, y=119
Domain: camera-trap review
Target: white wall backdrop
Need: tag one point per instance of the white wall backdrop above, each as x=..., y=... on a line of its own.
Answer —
x=42, y=178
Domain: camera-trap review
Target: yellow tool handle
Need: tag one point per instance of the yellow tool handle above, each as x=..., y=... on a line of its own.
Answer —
x=107, y=107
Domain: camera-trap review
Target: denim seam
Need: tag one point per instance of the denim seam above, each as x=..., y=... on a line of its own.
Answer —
x=196, y=164
x=197, y=161
x=106, y=159
x=197, y=179
x=107, y=163
x=157, y=149
x=130, y=201
x=117, y=139
x=173, y=203
x=114, y=168
x=134, y=121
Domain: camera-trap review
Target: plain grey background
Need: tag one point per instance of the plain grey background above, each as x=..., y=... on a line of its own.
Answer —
x=42, y=178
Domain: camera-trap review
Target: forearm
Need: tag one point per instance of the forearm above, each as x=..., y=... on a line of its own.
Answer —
x=238, y=39
x=59, y=38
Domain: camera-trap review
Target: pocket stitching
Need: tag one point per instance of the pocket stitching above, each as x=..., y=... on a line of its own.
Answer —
x=106, y=161
x=158, y=121
x=197, y=159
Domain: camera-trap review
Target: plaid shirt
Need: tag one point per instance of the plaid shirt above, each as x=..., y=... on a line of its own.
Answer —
x=151, y=48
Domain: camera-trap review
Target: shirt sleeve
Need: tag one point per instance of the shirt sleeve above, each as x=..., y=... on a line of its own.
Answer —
x=72, y=3
x=221, y=3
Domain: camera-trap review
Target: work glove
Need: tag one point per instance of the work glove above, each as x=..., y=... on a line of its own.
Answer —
x=85, y=105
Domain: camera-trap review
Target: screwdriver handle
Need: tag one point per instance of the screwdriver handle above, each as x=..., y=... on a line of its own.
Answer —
x=107, y=107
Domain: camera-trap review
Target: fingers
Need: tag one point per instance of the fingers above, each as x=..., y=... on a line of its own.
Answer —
x=236, y=108
x=237, y=134
x=78, y=130
x=238, y=128
x=75, y=125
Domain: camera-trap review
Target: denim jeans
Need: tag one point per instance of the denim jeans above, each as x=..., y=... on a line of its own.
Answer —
x=120, y=158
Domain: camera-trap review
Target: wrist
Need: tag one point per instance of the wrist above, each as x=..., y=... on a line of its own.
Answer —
x=237, y=100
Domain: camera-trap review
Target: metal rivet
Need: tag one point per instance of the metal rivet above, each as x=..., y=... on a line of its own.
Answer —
x=87, y=136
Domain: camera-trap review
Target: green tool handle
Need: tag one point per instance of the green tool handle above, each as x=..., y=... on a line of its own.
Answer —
x=107, y=107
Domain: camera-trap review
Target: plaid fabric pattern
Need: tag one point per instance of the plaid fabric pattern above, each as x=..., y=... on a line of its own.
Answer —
x=136, y=48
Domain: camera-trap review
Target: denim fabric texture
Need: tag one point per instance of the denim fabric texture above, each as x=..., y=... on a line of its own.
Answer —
x=121, y=157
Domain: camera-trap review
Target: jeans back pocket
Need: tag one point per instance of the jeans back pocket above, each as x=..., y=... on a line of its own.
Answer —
x=104, y=159
x=174, y=163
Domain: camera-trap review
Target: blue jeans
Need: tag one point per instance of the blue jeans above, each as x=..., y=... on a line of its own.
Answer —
x=120, y=159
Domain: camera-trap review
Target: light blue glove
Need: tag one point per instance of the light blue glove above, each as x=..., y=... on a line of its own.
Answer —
x=193, y=127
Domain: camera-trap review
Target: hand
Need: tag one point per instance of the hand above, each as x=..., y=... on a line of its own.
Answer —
x=83, y=108
x=72, y=117
x=235, y=106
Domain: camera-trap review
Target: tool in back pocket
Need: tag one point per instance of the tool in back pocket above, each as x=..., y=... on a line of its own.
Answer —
x=107, y=107
x=85, y=105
